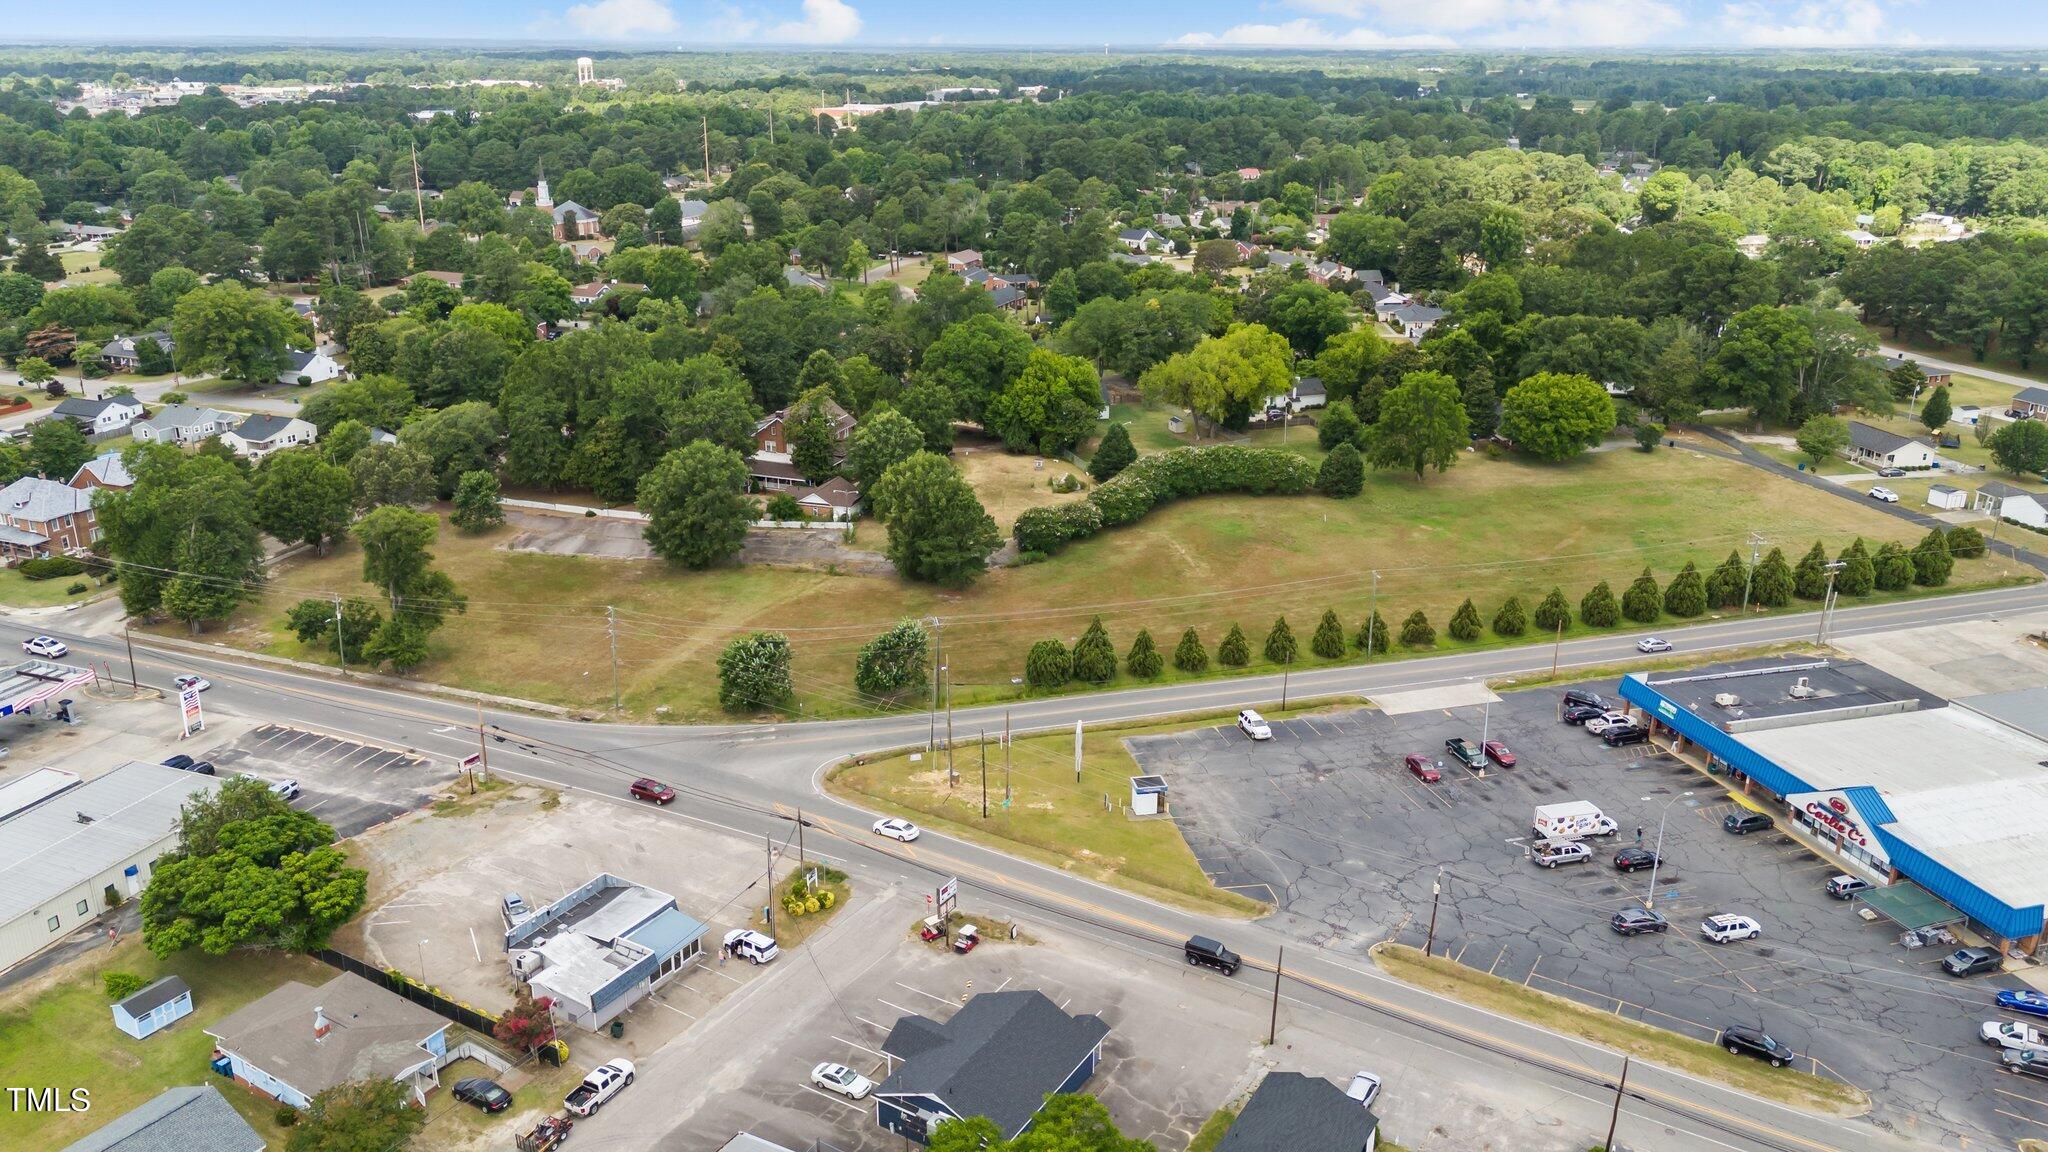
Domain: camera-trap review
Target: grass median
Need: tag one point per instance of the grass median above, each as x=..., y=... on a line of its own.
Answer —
x=1075, y=825
x=1644, y=1041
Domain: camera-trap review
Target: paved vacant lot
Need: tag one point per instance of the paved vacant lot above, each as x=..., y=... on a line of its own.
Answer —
x=1349, y=845
x=352, y=785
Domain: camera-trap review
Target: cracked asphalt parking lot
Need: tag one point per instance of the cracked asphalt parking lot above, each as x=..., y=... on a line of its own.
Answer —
x=1326, y=822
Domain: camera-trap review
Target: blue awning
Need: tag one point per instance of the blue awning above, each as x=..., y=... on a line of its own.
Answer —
x=667, y=933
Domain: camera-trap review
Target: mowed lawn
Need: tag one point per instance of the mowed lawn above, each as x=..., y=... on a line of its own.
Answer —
x=59, y=1032
x=1486, y=529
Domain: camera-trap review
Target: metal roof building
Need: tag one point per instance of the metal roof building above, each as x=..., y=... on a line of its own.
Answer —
x=58, y=857
x=1899, y=786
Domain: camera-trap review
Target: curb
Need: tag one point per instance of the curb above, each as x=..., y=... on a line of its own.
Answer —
x=400, y=683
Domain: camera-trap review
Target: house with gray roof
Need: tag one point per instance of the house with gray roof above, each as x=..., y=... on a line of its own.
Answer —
x=574, y=222
x=58, y=857
x=106, y=470
x=1410, y=319
x=196, y=1119
x=1291, y=1112
x=998, y=1057
x=182, y=424
x=2031, y=402
x=105, y=416
x=120, y=354
x=298, y=1041
x=260, y=435
x=1875, y=446
x=41, y=517
x=2007, y=502
x=309, y=367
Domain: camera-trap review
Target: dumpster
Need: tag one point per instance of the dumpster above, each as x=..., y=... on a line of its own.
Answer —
x=618, y=1029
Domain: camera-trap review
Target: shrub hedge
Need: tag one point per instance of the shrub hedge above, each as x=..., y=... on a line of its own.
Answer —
x=1162, y=478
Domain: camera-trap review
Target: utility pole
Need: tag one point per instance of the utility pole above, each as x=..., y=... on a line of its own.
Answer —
x=984, y=774
x=931, y=728
x=133, y=686
x=1436, y=896
x=707, y=151
x=799, y=839
x=950, y=775
x=1006, y=759
x=1827, y=603
x=340, y=640
x=1273, y=1019
x=611, y=628
x=768, y=909
x=483, y=753
x=1371, y=614
x=1077, y=751
x=1285, y=669
x=419, y=202
x=1614, y=1118
x=1557, y=649
x=1749, y=578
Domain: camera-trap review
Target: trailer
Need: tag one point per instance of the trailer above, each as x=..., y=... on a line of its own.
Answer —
x=1571, y=820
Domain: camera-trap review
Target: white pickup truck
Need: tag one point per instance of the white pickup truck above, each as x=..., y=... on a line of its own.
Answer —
x=2014, y=1036
x=604, y=1082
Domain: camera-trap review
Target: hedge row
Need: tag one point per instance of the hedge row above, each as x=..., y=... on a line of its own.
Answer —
x=1162, y=478
x=51, y=567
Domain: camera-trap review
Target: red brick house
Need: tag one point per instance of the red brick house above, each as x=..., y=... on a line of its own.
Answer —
x=41, y=517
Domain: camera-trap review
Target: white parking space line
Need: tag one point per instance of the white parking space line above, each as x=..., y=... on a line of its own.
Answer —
x=921, y=992
x=839, y=1100
x=473, y=946
x=1005, y=983
x=899, y=1007
x=861, y=1047
x=672, y=1008
x=880, y=1028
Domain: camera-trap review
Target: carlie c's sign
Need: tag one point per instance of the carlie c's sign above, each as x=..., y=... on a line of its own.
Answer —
x=1834, y=814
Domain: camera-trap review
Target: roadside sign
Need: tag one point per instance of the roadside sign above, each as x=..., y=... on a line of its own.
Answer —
x=188, y=707
x=949, y=894
x=472, y=760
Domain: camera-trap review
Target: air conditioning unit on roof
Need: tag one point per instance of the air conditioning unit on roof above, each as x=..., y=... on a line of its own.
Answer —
x=1727, y=699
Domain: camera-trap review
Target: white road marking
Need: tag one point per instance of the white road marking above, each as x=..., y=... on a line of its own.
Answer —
x=920, y=992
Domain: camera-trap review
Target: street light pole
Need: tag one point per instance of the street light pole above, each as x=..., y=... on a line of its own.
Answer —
x=1657, y=854
x=1827, y=602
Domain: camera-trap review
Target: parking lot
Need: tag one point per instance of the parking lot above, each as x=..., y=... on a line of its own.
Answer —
x=351, y=784
x=1326, y=819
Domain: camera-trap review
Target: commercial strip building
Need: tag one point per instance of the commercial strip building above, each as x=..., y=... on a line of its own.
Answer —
x=602, y=948
x=59, y=857
x=1898, y=784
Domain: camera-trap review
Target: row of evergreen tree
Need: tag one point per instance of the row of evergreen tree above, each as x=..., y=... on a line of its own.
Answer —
x=1774, y=582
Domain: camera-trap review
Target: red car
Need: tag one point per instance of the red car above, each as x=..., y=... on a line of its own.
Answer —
x=1499, y=754
x=652, y=790
x=1424, y=768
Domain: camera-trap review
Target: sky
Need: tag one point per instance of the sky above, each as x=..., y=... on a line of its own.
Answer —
x=1129, y=24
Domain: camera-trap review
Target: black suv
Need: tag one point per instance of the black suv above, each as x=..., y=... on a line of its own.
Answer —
x=1634, y=859
x=1742, y=1041
x=1590, y=699
x=1580, y=713
x=1622, y=734
x=1212, y=954
x=180, y=761
x=1743, y=823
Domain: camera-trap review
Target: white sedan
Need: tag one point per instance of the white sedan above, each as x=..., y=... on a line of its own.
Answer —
x=48, y=647
x=1653, y=644
x=1253, y=725
x=1885, y=494
x=894, y=829
x=195, y=683
x=843, y=1080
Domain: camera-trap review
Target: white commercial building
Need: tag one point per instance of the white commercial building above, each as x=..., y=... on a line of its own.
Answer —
x=58, y=857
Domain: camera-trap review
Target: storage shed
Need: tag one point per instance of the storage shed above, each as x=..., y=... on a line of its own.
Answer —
x=154, y=1008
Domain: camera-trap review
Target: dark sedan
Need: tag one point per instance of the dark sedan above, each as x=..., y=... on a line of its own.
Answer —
x=488, y=1095
x=1636, y=921
x=1741, y=1041
x=1634, y=859
x=1580, y=713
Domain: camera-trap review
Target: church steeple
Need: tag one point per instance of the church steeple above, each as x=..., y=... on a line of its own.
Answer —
x=541, y=199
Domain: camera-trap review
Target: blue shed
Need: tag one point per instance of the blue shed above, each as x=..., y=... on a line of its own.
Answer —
x=154, y=1007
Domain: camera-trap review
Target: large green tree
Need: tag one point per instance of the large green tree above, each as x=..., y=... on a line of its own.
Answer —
x=1225, y=377
x=938, y=530
x=1422, y=424
x=235, y=332
x=185, y=537
x=1049, y=407
x=1556, y=416
x=697, y=506
x=303, y=499
x=373, y=1115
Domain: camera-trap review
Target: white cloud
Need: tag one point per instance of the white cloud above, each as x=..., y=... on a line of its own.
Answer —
x=823, y=22
x=1514, y=22
x=1302, y=33
x=1811, y=25
x=621, y=19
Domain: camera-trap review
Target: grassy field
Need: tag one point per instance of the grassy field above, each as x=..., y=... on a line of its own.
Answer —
x=1669, y=1049
x=18, y=591
x=1487, y=529
x=59, y=1032
x=84, y=268
x=1051, y=817
x=1999, y=360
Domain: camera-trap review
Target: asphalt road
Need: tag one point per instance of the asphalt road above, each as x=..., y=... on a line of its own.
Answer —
x=751, y=779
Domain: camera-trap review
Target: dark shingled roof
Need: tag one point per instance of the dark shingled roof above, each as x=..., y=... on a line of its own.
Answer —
x=155, y=996
x=1876, y=440
x=1295, y=1113
x=1000, y=1056
x=180, y=1120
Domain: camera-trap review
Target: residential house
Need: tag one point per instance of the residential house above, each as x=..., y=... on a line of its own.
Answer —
x=182, y=424
x=1140, y=239
x=153, y=1008
x=1753, y=245
x=1168, y=220
x=692, y=217
x=1328, y=272
x=1875, y=446
x=451, y=279
x=89, y=233
x=1370, y=281
x=1308, y=392
x=770, y=466
x=194, y=1119
x=998, y=1057
x=1284, y=261
x=835, y=499
x=260, y=435
x=796, y=277
x=2007, y=502
x=1860, y=238
x=41, y=517
x=584, y=295
x=1249, y=174
x=1947, y=498
x=1291, y=1112
x=1008, y=297
x=107, y=416
x=298, y=1041
x=603, y=948
x=106, y=470
x=2031, y=403
x=1935, y=377
x=1410, y=319
x=119, y=354
x=574, y=222
x=310, y=367
x=588, y=252
x=962, y=260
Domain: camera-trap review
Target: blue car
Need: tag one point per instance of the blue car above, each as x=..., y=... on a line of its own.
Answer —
x=2029, y=1001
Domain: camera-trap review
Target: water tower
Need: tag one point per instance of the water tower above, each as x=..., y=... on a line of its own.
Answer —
x=586, y=70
